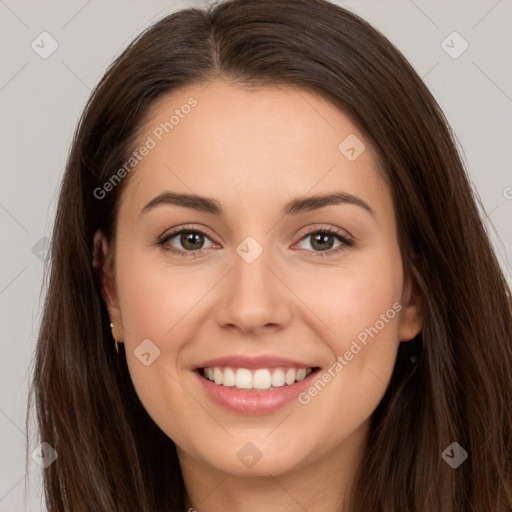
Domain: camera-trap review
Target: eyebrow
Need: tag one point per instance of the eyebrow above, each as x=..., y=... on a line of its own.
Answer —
x=293, y=207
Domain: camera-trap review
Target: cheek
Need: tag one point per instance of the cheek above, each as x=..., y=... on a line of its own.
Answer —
x=157, y=303
x=161, y=302
x=156, y=298
x=347, y=392
x=351, y=297
x=362, y=306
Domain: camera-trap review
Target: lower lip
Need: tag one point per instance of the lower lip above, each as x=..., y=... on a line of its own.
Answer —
x=254, y=402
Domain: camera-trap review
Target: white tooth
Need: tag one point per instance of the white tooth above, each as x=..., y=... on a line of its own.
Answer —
x=209, y=373
x=301, y=374
x=277, y=378
x=289, y=378
x=308, y=371
x=261, y=379
x=217, y=375
x=243, y=379
x=229, y=377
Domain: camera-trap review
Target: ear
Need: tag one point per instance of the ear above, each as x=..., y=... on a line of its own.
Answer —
x=103, y=261
x=413, y=312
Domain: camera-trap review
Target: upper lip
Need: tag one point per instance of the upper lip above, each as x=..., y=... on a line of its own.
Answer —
x=252, y=362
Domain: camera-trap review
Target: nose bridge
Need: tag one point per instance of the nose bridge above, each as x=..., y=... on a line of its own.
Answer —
x=251, y=264
x=253, y=296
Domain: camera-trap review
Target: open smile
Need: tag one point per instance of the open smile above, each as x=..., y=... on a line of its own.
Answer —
x=254, y=386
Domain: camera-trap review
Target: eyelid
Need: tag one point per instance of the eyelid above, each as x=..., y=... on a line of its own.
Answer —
x=186, y=227
x=329, y=229
x=344, y=237
x=163, y=239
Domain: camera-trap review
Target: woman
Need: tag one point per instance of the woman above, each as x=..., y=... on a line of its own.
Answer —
x=270, y=285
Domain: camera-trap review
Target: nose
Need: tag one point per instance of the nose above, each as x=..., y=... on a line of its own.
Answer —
x=254, y=296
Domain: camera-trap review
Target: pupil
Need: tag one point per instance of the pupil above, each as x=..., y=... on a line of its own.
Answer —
x=190, y=238
x=322, y=239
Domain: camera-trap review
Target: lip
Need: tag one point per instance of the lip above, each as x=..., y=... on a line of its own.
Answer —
x=253, y=362
x=255, y=402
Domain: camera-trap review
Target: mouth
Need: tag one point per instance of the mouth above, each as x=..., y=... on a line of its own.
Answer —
x=256, y=390
x=259, y=379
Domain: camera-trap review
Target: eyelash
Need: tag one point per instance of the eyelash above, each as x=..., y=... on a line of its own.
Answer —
x=341, y=236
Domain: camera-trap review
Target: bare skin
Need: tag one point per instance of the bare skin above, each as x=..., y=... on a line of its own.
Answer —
x=253, y=151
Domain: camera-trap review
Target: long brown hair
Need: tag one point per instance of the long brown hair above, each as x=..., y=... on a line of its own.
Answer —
x=111, y=455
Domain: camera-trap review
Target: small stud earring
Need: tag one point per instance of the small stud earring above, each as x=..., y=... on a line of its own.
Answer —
x=116, y=344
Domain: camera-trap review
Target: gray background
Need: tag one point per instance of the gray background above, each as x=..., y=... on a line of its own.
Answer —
x=41, y=100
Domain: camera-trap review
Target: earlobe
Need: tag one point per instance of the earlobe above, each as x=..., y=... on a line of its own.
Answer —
x=102, y=261
x=413, y=312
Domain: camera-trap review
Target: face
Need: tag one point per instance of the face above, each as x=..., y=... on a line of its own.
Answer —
x=304, y=301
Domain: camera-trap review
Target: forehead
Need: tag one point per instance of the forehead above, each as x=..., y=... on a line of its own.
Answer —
x=263, y=142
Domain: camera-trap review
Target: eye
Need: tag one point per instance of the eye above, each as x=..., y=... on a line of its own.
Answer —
x=322, y=240
x=191, y=241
